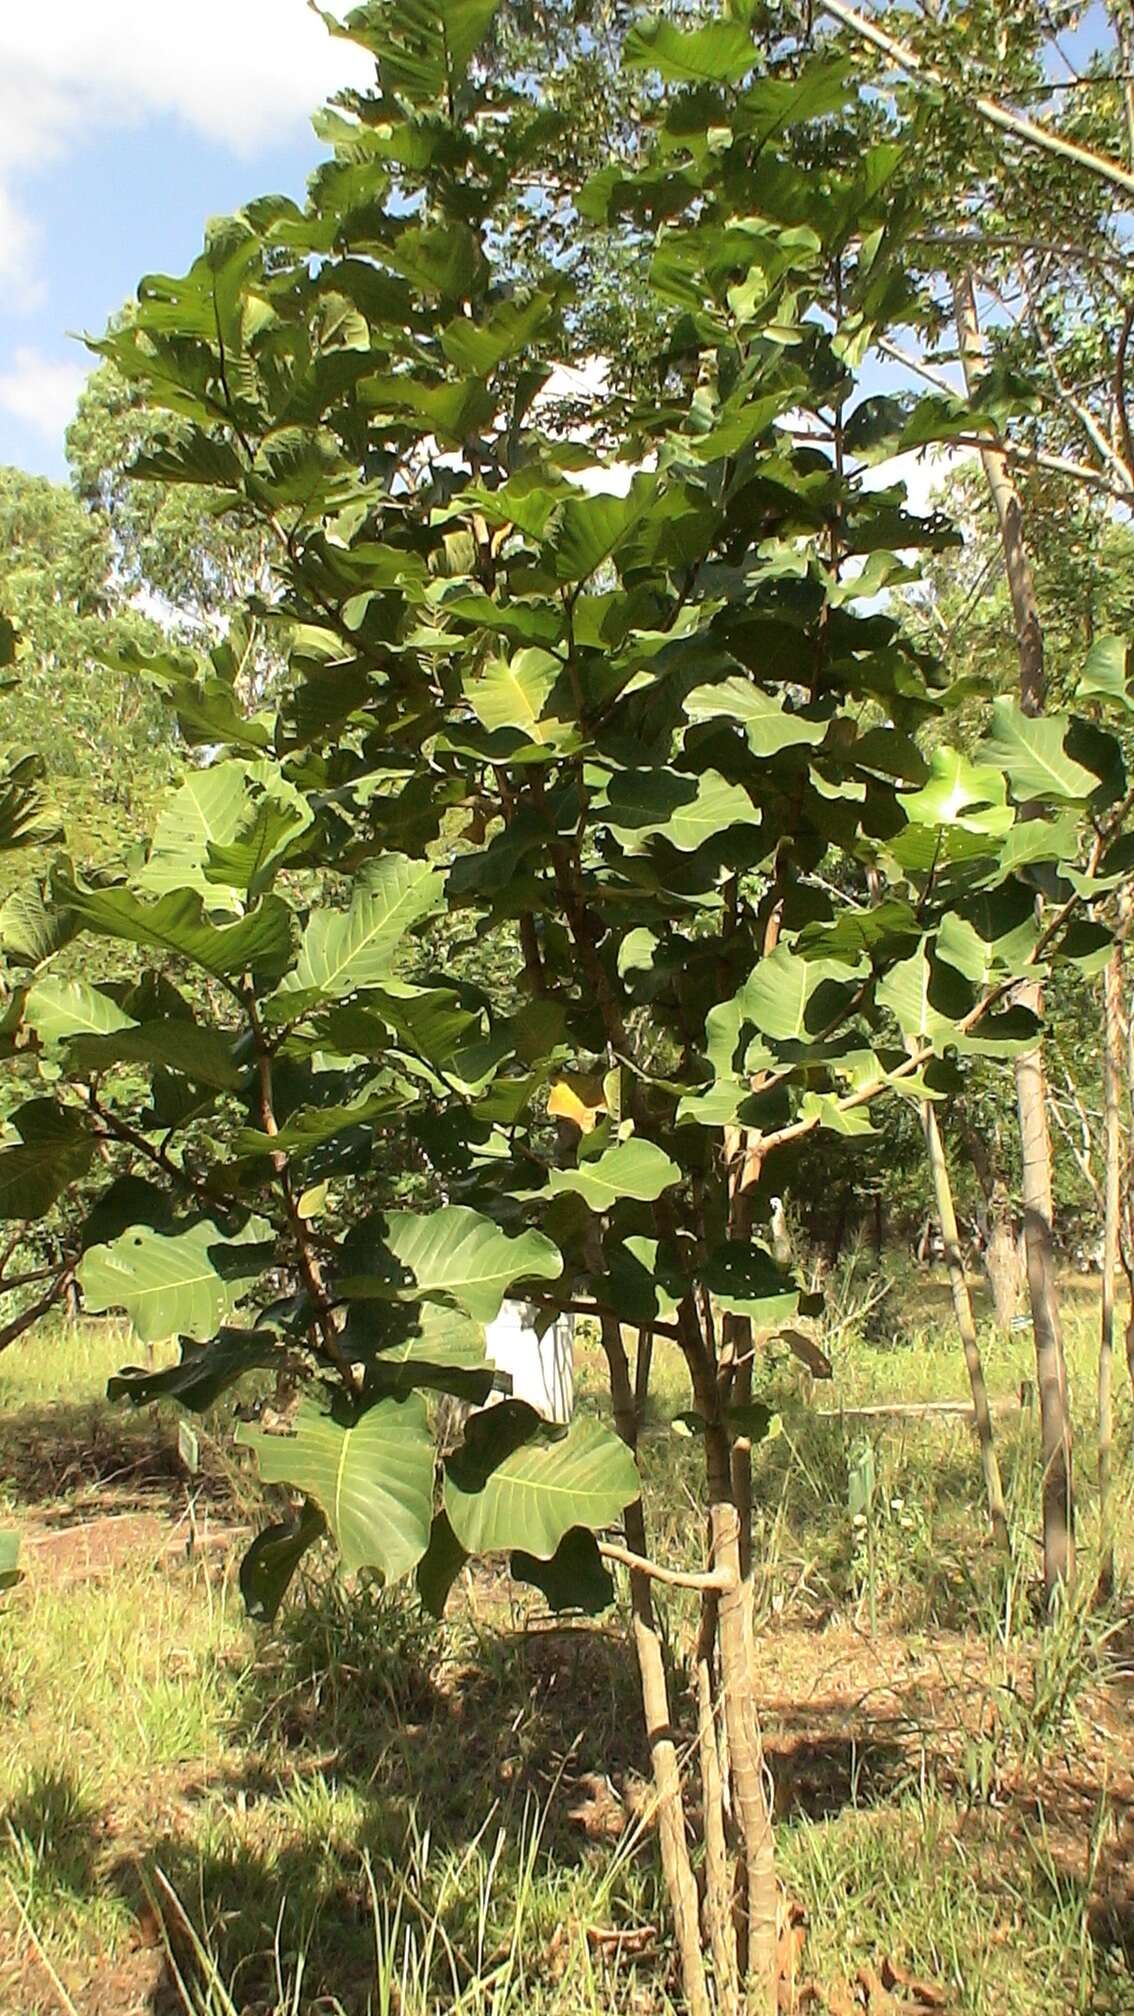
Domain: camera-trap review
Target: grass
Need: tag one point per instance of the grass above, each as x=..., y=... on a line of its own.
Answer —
x=362, y=1813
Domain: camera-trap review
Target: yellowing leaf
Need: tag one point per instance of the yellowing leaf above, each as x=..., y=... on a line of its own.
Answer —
x=578, y=1099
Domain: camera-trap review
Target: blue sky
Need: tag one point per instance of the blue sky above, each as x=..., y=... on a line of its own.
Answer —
x=124, y=126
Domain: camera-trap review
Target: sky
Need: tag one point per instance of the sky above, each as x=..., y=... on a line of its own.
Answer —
x=124, y=126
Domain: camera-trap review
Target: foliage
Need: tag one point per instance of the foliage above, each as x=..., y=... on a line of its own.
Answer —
x=621, y=700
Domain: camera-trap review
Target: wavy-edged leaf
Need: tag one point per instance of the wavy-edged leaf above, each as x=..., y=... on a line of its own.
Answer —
x=344, y=950
x=719, y=53
x=260, y=943
x=575, y=1578
x=1031, y=751
x=204, y=1373
x=55, y=1150
x=769, y=726
x=439, y=1566
x=633, y=1168
x=454, y=1254
x=370, y=1474
x=268, y=1567
x=745, y=1279
x=58, y=1009
x=515, y=1483
x=170, y=1285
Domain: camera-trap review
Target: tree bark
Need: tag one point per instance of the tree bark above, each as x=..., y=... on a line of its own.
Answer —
x=963, y=1310
x=676, y=1866
x=1031, y=1086
x=1113, y=1050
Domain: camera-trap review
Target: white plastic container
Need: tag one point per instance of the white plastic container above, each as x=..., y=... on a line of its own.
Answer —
x=540, y=1366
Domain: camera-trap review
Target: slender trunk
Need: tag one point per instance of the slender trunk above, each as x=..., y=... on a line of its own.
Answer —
x=1113, y=1046
x=963, y=1310
x=678, y=1871
x=718, y=1874
x=1002, y=1256
x=1031, y=1087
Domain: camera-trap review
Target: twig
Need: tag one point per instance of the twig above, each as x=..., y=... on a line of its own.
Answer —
x=677, y=1578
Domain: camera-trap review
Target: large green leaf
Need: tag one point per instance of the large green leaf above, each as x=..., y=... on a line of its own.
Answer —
x=515, y=1483
x=575, y=1578
x=55, y=1150
x=370, y=1474
x=206, y=811
x=31, y=930
x=665, y=804
x=769, y=726
x=58, y=1009
x=513, y=693
x=260, y=942
x=746, y=1280
x=1031, y=751
x=586, y=531
x=271, y=1561
x=424, y=47
x=794, y=999
x=633, y=1168
x=719, y=53
x=178, y=1285
x=204, y=1373
x=344, y=950
x=454, y=1254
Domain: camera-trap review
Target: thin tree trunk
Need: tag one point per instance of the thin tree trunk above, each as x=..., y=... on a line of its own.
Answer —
x=718, y=1875
x=963, y=1310
x=678, y=1871
x=1113, y=1047
x=1031, y=1087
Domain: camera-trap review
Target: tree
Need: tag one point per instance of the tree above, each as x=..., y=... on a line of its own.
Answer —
x=649, y=738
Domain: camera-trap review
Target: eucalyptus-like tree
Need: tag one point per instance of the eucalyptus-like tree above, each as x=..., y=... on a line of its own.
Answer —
x=620, y=701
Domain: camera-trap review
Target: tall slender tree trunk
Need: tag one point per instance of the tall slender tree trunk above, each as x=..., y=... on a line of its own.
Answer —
x=1113, y=1049
x=1031, y=1085
x=963, y=1310
x=677, y=1868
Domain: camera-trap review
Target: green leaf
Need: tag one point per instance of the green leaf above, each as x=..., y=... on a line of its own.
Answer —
x=58, y=1009
x=793, y=999
x=344, y=950
x=169, y=1285
x=10, y=1571
x=260, y=943
x=586, y=531
x=517, y=1483
x=370, y=1474
x=55, y=1151
x=204, y=1373
x=454, y=1254
x=479, y=346
x=513, y=693
x=667, y=805
x=769, y=726
x=719, y=53
x=31, y=931
x=575, y=1578
x=960, y=793
x=633, y=1168
x=1030, y=750
x=1106, y=675
x=439, y=1566
x=178, y=1044
x=745, y=1280
x=271, y=1561
x=424, y=47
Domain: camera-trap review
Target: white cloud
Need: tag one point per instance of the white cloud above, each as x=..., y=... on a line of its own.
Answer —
x=242, y=73
x=41, y=391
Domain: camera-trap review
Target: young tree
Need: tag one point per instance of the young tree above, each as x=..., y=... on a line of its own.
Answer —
x=617, y=699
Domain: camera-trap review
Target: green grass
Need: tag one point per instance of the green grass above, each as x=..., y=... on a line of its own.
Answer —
x=362, y=1812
